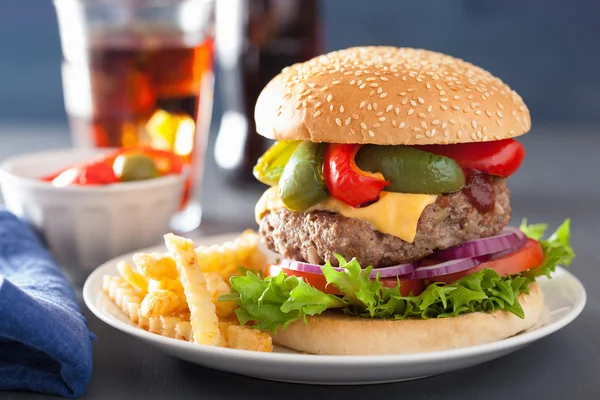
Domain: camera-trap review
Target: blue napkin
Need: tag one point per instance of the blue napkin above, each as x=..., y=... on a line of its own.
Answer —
x=45, y=344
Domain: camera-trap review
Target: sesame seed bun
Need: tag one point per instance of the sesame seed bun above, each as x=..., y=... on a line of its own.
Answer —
x=339, y=334
x=389, y=96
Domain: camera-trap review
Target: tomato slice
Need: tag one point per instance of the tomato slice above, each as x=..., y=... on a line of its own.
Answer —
x=527, y=257
x=500, y=157
x=318, y=281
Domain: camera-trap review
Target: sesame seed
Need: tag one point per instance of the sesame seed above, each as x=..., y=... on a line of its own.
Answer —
x=444, y=99
x=443, y=107
x=435, y=121
x=417, y=129
x=474, y=136
x=362, y=104
x=363, y=86
x=336, y=82
x=474, y=124
x=370, y=79
x=488, y=113
x=455, y=107
x=338, y=122
x=363, y=125
x=374, y=106
x=498, y=122
x=359, y=82
x=371, y=133
x=304, y=103
x=377, y=125
x=324, y=88
x=329, y=97
x=419, y=136
x=470, y=97
x=369, y=106
x=397, y=110
x=374, y=84
x=312, y=84
x=298, y=104
x=402, y=94
x=423, y=124
x=394, y=123
x=459, y=134
x=354, y=116
x=438, y=86
x=371, y=93
x=500, y=106
x=421, y=115
x=318, y=104
x=382, y=95
x=401, y=125
x=411, y=89
x=382, y=119
x=442, y=92
x=353, y=131
x=331, y=107
x=317, y=114
x=410, y=111
x=452, y=121
x=456, y=97
x=421, y=101
x=348, y=120
x=389, y=108
x=433, y=132
x=499, y=113
x=479, y=134
x=428, y=85
x=511, y=132
x=341, y=109
x=429, y=108
x=379, y=114
x=383, y=78
x=484, y=130
x=413, y=103
x=380, y=90
x=352, y=82
x=446, y=133
x=405, y=100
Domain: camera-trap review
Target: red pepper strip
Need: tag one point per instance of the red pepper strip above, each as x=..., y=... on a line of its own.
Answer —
x=94, y=173
x=499, y=157
x=345, y=181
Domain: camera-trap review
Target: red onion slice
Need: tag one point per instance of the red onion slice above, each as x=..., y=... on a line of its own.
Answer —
x=508, y=239
x=392, y=271
x=445, y=268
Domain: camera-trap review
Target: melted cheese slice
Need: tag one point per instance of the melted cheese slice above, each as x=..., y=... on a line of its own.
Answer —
x=396, y=214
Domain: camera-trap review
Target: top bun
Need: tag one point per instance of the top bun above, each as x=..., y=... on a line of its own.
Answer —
x=389, y=96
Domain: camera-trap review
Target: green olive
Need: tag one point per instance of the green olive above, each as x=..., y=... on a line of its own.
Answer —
x=134, y=167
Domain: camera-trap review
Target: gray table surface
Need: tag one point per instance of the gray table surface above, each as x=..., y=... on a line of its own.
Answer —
x=559, y=178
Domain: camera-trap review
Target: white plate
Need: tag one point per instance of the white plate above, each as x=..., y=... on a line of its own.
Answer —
x=565, y=297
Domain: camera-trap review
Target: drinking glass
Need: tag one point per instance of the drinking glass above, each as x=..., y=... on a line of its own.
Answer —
x=140, y=72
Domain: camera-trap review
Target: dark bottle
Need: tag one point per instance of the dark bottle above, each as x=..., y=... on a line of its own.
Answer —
x=255, y=40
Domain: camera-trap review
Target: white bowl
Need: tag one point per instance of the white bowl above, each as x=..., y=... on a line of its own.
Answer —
x=86, y=226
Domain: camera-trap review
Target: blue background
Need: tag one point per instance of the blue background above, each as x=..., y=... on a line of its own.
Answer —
x=547, y=50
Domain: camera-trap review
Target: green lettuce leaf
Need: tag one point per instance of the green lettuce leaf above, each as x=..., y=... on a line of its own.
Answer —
x=272, y=303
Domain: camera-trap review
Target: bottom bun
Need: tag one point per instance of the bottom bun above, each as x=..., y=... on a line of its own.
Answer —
x=335, y=333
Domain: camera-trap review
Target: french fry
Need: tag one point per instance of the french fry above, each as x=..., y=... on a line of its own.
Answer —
x=246, y=338
x=139, y=282
x=174, y=285
x=125, y=297
x=203, y=317
x=160, y=302
x=225, y=258
x=157, y=266
x=218, y=287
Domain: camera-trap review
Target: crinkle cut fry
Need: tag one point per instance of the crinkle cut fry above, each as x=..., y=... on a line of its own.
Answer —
x=129, y=301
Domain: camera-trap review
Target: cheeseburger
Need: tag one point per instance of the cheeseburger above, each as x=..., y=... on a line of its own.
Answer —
x=389, y=207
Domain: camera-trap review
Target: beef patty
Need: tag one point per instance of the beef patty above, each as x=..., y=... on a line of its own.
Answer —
x=316, y=235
